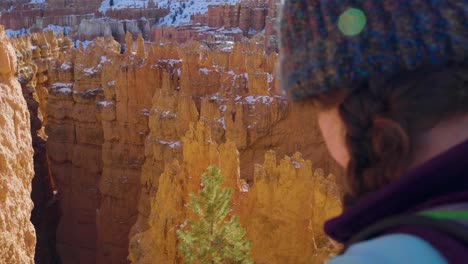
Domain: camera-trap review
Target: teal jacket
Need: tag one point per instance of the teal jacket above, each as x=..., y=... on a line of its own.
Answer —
x=391, y=249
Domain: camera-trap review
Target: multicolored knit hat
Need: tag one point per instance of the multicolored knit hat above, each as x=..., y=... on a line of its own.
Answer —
x=329, y=44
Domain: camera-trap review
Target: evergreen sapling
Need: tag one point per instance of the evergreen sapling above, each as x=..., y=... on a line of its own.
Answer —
x=212, y=238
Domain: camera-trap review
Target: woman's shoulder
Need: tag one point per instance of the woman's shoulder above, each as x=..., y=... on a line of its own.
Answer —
x=391, y=249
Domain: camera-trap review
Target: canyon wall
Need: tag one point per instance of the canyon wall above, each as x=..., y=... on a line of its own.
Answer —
x=82, y=19
x=28, y=14
x=128, y=135
x=17, y=235
x=244, y=19
x=32, y=76
x=88, y=20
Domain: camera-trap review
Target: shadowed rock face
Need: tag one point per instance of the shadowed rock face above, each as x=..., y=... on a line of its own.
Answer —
x=17, y=236
x=124, y=151
x=45, y=214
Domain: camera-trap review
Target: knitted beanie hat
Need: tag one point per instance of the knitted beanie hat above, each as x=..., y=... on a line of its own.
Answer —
x=333, y=44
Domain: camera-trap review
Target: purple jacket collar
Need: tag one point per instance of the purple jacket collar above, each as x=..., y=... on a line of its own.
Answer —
x=441, y=180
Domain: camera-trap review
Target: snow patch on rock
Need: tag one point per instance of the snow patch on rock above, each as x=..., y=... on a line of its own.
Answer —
x=245, y=188
x=123, y=4
x=65, y=30
x=264, y=98
x=105, y=103
x=61, y=88
x=89, y=71
x=85, y=43
x=10, y=33
x=66, y=66
x=171, y=144
x=180, y=12
x=204, y=71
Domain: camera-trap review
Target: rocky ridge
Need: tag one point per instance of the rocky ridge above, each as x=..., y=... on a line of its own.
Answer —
x=175, y=21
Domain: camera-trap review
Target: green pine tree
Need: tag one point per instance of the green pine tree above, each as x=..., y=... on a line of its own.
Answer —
x=212, y=238
x=111, y=2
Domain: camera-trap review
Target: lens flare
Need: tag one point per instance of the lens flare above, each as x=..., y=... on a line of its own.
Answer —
x=352, y=22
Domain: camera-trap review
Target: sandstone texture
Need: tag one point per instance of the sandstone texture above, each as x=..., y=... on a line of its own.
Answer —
x=285, y=209
x=17, y=235
x=129, y=132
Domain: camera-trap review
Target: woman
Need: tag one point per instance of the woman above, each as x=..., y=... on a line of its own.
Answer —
x=389, y=79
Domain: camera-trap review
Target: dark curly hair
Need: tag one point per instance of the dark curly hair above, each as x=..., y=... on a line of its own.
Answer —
x=384, y=121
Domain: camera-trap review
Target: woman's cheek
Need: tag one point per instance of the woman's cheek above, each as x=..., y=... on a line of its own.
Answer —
x=333, y=131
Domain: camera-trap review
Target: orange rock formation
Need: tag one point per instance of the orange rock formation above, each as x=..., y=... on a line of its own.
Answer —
x=119, y=137
x=17, y=236
x=282, y=212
